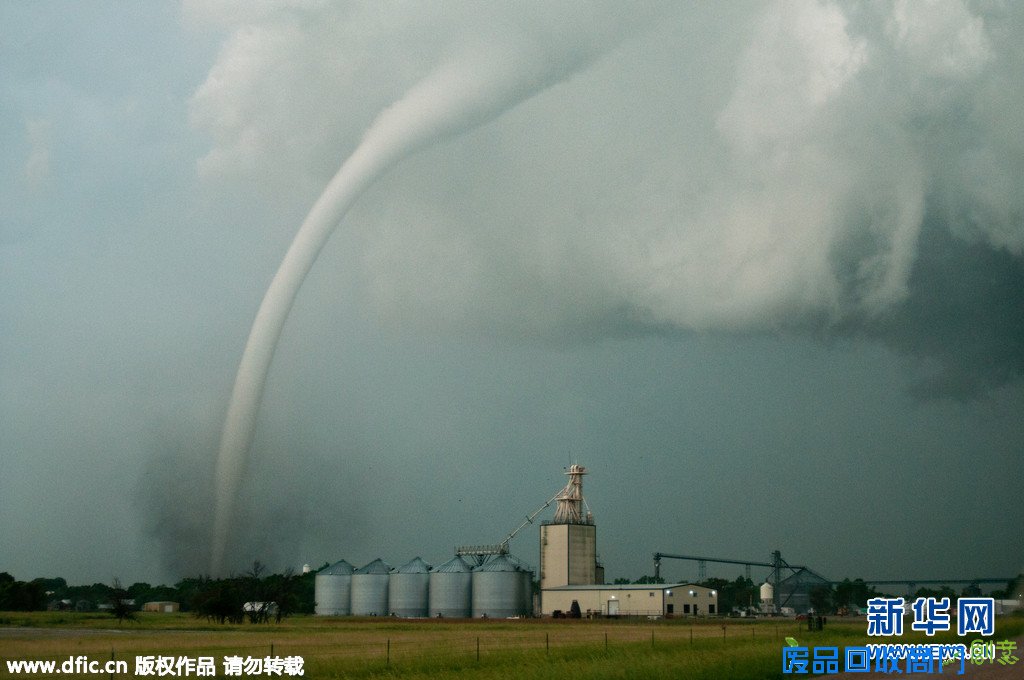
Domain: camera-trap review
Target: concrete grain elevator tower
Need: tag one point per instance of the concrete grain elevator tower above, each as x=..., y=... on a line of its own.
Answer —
x=568, y=544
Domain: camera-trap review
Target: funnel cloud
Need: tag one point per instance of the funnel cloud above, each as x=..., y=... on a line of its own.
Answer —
x=479, y=84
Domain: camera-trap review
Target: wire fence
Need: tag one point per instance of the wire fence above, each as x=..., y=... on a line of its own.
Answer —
x=420, y=644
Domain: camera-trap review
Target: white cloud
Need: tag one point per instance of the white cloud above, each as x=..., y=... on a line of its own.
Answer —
x=689, y=184
x=942, y=37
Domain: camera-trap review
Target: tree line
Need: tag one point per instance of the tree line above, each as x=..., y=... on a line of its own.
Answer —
x=255, y=596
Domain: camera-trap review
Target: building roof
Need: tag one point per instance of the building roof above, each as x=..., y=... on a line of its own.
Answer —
x=804, y=576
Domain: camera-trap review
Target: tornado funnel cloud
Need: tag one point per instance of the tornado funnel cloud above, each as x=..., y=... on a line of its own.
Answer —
x=240, y=423
x=466, y=92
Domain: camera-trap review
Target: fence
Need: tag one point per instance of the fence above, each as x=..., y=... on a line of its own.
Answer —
x=408, y=644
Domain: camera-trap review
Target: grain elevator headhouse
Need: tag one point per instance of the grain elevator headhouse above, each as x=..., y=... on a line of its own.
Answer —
x=568, y=544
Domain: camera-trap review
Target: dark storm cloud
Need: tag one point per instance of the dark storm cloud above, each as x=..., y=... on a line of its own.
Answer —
x=963, y=315
x=292, y=492
x=174, y=499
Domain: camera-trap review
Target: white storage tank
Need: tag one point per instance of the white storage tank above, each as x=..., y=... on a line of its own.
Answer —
x=407, y=589
x=370, y=589
x=332, y=590
x=498, y=589
x=767, y=597
x=451, y=590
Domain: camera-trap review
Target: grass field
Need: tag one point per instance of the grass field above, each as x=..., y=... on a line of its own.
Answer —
x=386, y=648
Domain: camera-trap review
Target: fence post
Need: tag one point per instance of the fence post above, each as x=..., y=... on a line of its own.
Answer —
x=691, y=634
x=111, y=664
x=652, y=639
x=271, y=649
x=389, y=653
x=606, y=641
x=478, y=649
x=547, y=643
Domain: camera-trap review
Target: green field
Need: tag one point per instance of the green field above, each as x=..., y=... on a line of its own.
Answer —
x=385, y=648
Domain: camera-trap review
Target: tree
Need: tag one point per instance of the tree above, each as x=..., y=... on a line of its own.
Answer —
x=1012, y=590
x=649, y=579
x=944, y=591
x=257, y=599
x=52, y=586
x=20, y=596
x=973, y=590
x=306, y=592
x=821, y=598
x=853, y=593
x=218, y=600
x=282, y=589
x=733, y=594
x=121, y=600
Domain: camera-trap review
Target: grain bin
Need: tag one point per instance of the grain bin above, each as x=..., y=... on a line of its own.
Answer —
x=451, y=590
x=370, y=589
x=407, y=589
x=499, y=589
x=332, y=590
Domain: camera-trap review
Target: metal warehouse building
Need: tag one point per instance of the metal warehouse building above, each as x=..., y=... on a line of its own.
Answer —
x=677, y=599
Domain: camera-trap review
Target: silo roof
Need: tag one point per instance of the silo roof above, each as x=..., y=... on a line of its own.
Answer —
x=414, y=566
x=378, y=566
x=499, y=563
x=341, y=567
x=456, y=565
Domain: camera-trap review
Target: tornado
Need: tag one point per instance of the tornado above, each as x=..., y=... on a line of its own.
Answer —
x=465, y=92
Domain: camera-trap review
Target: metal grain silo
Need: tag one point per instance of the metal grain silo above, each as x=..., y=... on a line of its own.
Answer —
x=526, y=584
x=407, y=589
x=498, y=589
x=370, y=589
x=451, y=590
x=332, y=590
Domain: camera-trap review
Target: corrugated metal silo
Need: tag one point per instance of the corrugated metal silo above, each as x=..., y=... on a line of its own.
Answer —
x=370, y=589
x=526, y=582
x=407, y=590
x=451, y=590
x=498, y=589
x=332, y=590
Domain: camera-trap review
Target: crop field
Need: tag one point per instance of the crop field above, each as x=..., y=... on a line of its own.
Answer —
x=392, y=648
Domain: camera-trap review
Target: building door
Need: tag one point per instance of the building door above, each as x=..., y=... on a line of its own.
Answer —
x=613, y=607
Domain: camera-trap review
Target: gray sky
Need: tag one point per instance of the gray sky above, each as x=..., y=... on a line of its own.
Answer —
x=760, y=268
